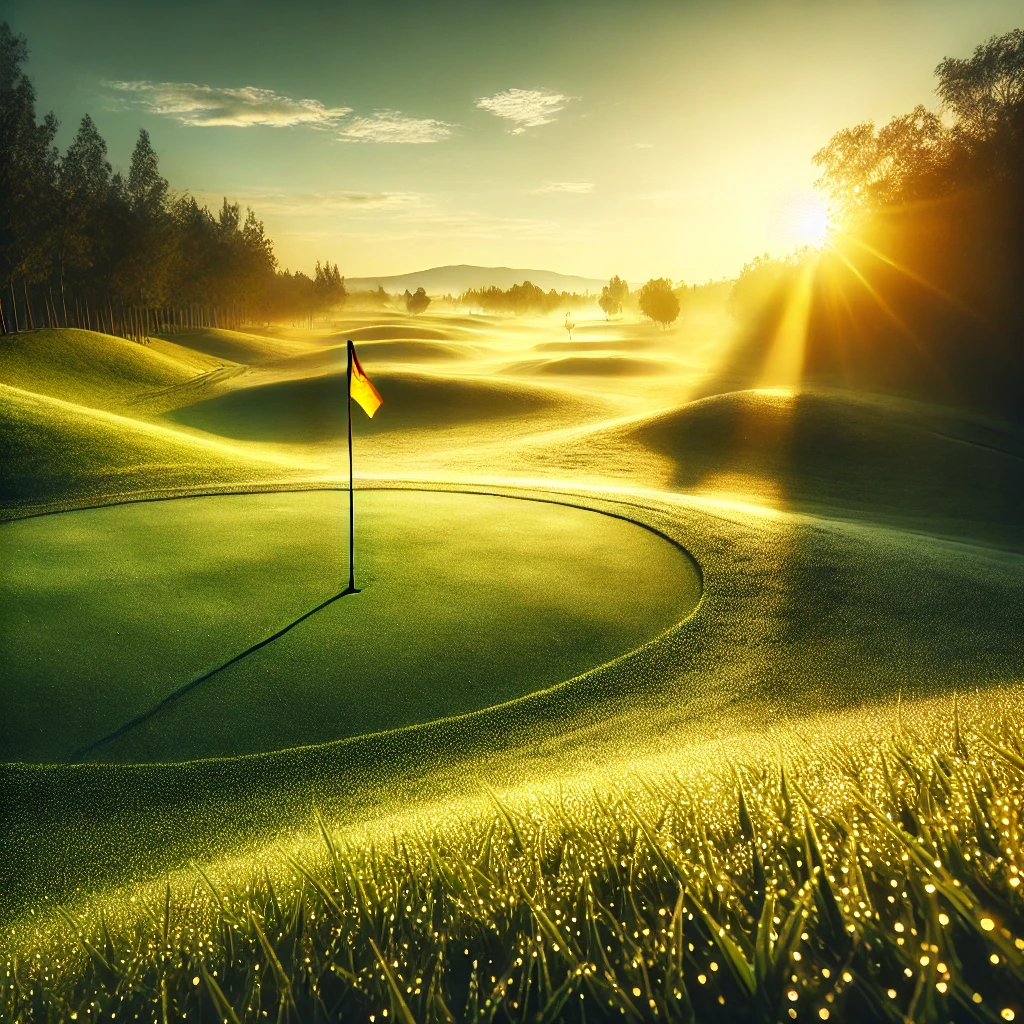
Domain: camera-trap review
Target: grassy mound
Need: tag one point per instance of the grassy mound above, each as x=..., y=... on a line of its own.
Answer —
x=313, y=408
x=335, y=357
x=87, y=368
x=841, y=454
x=396, y=332
x=604, y=366
x=52, y=451
x=619, y=345
x=466, y=601
x=237, y=346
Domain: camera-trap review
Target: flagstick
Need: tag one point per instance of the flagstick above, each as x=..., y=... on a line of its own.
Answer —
x=351, y=589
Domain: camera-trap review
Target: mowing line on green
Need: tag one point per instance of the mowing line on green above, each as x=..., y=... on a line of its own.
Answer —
x=79, y=754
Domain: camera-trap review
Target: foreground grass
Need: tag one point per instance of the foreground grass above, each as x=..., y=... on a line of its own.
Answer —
x=760, y=878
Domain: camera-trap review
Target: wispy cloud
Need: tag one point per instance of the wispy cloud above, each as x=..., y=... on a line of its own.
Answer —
x=525, y=108
x=210, y=106
x=574, y=187
x=393, y=126
x=641, y=145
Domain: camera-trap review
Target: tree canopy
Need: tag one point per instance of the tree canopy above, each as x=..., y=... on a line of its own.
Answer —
x=416, y=302
x=976, y=136
x=613, y=296
x=658, y=301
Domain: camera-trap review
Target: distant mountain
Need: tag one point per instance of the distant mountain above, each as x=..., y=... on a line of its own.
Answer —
x=454, y=280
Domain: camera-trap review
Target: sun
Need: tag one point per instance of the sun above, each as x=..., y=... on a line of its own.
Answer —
x=808, y=221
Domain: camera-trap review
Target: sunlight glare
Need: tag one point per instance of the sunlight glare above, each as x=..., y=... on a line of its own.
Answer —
x=809, y=221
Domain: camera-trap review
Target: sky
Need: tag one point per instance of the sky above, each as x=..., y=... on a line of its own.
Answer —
x=634, y=137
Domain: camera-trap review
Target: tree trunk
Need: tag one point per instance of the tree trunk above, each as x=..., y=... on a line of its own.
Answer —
x=63, y=297
x=28, y=305
x=14, y=304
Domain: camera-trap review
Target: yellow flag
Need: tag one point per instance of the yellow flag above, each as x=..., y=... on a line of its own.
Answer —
x=361, y=388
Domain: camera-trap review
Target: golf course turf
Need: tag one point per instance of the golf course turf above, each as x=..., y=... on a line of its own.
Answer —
x=595, y=782
x=466, y=601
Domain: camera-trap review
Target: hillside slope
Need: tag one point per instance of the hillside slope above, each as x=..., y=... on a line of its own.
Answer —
x=55, y=451
x=97, y=370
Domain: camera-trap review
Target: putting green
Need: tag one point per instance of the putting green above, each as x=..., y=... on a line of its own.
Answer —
x=467, y=601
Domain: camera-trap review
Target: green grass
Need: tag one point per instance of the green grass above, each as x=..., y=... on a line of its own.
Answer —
x=467, y=601
x=236, y=346
x=57, y=453
x=860, y=627
x=842, y=880
x=91, y=369
x=313, y=409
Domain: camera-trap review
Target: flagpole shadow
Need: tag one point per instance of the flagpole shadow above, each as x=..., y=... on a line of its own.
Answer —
x=138, y=720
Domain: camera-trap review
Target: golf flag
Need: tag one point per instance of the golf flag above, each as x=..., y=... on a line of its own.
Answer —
x=361, y=388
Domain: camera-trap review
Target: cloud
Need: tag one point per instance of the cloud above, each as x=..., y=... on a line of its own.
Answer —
x=641, y=145
x=525, y=108
x=574, y=187
x=393, y=126
x=208, y=106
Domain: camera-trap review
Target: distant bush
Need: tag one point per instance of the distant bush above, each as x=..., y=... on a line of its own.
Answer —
x=658, y=301
x=416, y=302
x=613, y=296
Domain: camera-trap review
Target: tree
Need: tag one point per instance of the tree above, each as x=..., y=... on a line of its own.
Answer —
x=82, y=245
x=613, y=295
x=418, y=302
x=143, y=232
x=864, y=169
x=985, y=92
x=84, y=179
x=329, y=286
x=658, y=302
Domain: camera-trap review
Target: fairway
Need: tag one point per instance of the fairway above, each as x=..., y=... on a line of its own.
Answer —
x=467, y=601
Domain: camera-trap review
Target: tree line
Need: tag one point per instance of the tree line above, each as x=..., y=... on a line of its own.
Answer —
x=83, y=245
x=657, y=300
x=520, y=299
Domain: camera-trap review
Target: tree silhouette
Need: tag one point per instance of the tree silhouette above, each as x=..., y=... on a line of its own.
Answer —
x=418, y=302
x=658, y=302
x=613, y=296
x=329, y=287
